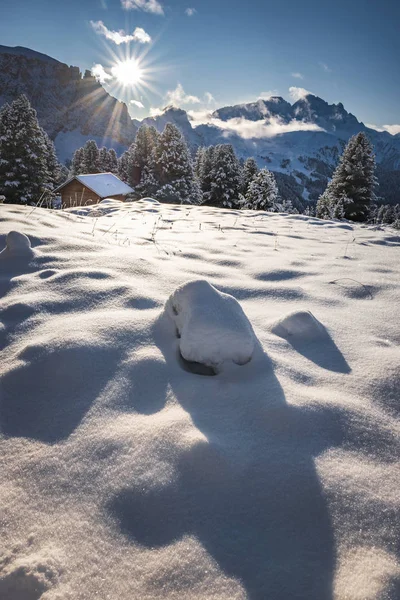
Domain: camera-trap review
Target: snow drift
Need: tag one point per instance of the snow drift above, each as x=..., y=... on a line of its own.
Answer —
x=124, y=474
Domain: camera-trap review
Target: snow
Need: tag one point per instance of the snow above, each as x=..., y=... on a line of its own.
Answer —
x=301, y=324
x=104, y=185
x=212, y=326
x=127, y=473
x=17, y=245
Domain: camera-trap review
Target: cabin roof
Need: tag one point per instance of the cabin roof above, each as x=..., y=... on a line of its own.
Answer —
x=105, y=185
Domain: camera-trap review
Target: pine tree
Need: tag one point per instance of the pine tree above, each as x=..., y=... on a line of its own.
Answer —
x=205, y=172
x=225, y=177
x=353, y=183
x=112, y=161
x=199, y=161
x=173, y=169
x=124, y=162
x=55, y=170
x=262, y=192
x=77, y=164
x=103, y=160
x=141, y=153
x=28, y=165
x=91, y=157
x=148, y=186
x=250, y=169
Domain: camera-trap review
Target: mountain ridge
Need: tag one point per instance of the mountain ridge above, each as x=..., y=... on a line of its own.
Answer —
x=300, y=142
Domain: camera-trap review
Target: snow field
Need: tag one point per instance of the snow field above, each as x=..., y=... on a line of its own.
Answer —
x=126, y=475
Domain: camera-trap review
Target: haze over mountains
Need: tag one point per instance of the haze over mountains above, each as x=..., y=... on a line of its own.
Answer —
x=300, y=141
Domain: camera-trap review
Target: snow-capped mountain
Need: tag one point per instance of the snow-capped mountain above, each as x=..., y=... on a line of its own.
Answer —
x=71, y=108
x=301, y=142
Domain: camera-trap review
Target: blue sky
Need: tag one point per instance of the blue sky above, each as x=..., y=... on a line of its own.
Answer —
x=226, y=51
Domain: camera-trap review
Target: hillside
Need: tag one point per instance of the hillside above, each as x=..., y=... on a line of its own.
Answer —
x=71, y=108
x=234, y=438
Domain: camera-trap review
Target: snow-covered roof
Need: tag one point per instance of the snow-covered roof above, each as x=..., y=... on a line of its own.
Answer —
x=105, y=185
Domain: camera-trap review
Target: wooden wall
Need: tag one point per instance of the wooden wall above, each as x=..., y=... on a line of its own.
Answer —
x=76, y=194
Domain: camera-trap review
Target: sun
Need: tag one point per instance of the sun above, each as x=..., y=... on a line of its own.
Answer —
x=127, y=72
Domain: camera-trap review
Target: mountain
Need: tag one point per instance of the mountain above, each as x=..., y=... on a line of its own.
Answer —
x=300, y=142
x=71, y=108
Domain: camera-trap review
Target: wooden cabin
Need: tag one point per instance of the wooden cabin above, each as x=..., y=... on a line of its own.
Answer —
x=83, y=190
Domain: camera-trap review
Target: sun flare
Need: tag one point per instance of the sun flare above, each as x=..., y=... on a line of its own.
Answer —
x=127, y=72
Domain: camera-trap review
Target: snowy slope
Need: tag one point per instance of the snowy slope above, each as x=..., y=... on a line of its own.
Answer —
x=129, y=470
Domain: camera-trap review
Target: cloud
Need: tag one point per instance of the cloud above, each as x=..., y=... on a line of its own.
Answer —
x=190, y=12
x=297, y=75
x=247, y=129
x=267, y=95
x=136, y=103
x=156, y=112
x=120, y=37
x=392, y=129
x=178, y=96
x=100, y=74
x=209, y=98
x=325, y=67
x=199, y=117
x=151, y=6
x=296, y=93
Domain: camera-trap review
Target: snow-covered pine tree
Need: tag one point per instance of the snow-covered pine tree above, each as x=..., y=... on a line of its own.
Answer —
x=198, y=162
x=225, y=177
x=54, y=168
x=148, y=185
x=103, y=160
x=141, y=153
x=27, y=157
x=77, y=164
x=91, y=157
x=353, y=182
x=262, y=192
x=205, y=172
x=250, y=169
x=112, y=161
x=124, y=162
x=173, y=169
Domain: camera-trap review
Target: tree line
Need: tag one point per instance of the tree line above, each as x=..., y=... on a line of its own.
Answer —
x=160, y=165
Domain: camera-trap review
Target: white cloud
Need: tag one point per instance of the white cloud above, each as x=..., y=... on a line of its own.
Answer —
x=151, y=6
x=325, y=67
x=100, y=73
x=141, y=35
x=267, y=95
x=199, y=117
x=297, y=75
x=209, y=98
x=178, y=96
x=156, y=112
x=190, y=12
x=392, y=129
x=247, y=129
x=120, y=37
x=136, y=103
x=296, y=93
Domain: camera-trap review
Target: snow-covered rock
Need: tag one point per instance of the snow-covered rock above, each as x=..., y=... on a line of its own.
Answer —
x=211, y=325
x=300, y=325
x=17, y=245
